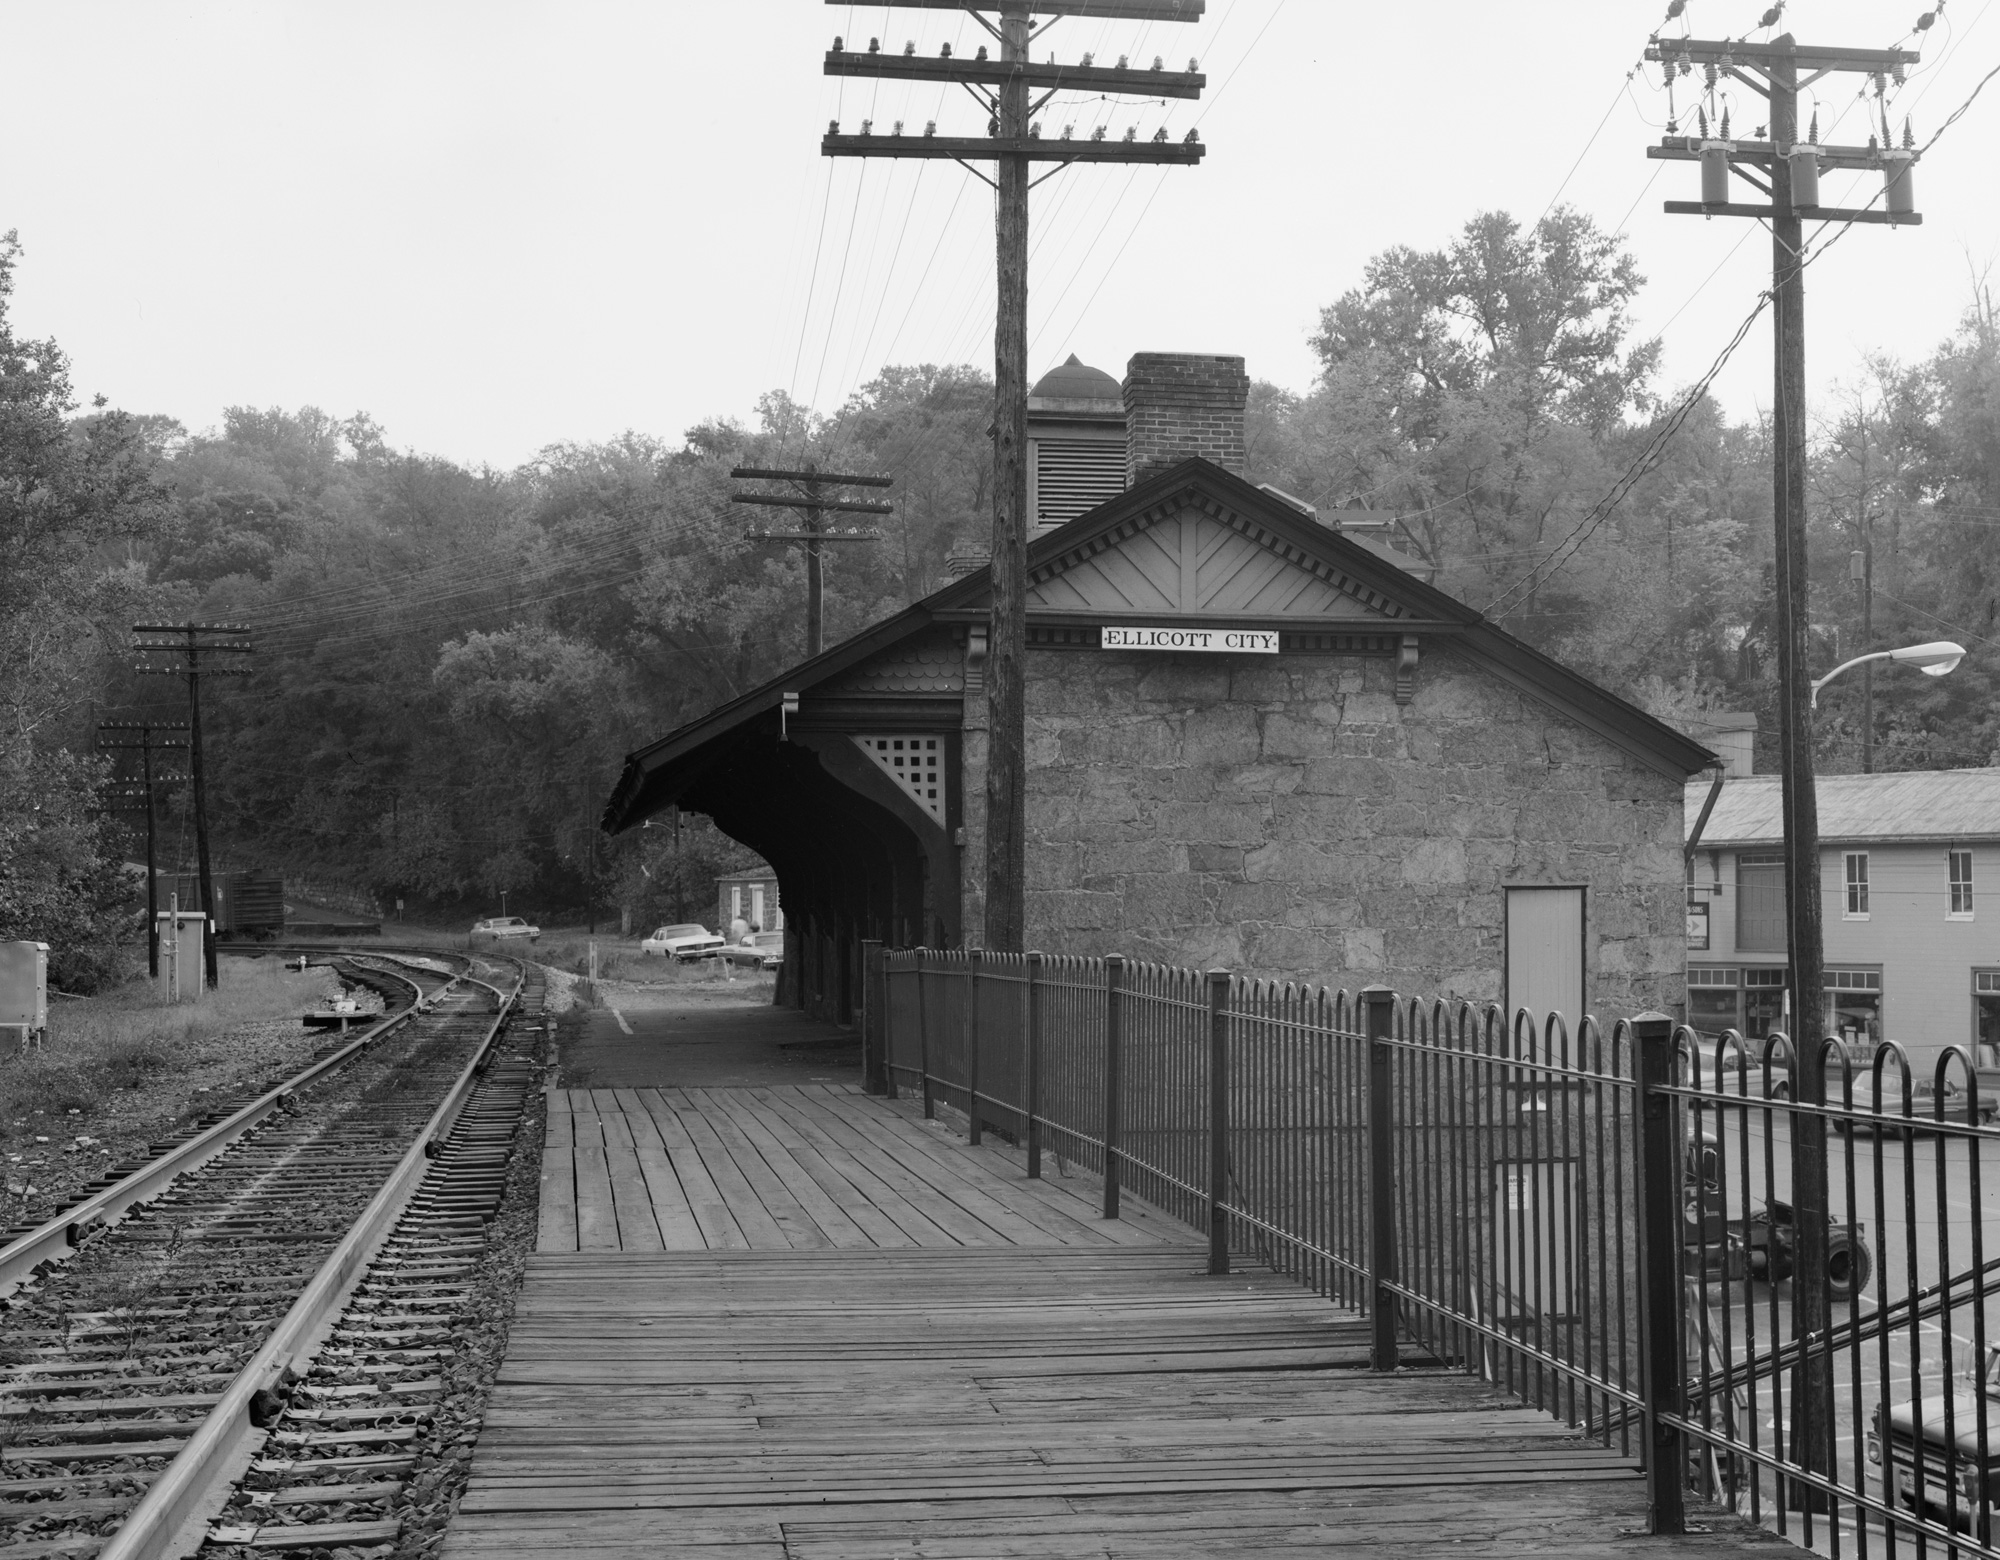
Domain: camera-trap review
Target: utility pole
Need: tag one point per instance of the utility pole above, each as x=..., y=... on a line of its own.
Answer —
x=816, y=503
x=1790, y=170
x=183, y=645
x=1013, y=140
x=115, y=736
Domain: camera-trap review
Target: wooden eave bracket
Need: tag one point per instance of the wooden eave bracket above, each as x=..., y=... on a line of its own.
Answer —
x=1406, y=670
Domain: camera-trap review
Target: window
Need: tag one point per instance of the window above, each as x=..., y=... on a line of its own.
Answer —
x=1853, y=1008
x=1986, y=1015
x=1712, y=1005
x=1760, y=903
x=1763, y=1002
x=1857, y=885
x=1959, y=868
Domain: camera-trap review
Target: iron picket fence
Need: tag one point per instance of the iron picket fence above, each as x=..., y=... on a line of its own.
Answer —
x=1611, y=1223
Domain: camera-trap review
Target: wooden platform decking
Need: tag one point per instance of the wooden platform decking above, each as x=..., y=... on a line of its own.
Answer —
x=841, y=1334
x=799, y=1169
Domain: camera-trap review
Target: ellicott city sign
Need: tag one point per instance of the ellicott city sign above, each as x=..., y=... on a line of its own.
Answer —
x=1233, y=641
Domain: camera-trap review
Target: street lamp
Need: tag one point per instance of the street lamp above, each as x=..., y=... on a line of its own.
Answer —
x=1805, y=953
x=1933, y=660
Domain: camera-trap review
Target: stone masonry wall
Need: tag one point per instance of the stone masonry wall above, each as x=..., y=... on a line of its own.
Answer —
x=1286, y=817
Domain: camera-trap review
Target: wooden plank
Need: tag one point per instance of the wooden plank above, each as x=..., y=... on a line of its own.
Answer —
x=761, y=1224
x=673, y=1211
x=863, y=1173
x=848, y=1219
x=596, y=1214
x=632, y=1201
x=555, y=1220
x=710, y=1209
x=912, y=1188
x=800, y=1223
x=945, y=1182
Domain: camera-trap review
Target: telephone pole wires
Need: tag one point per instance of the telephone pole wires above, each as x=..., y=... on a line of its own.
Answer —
x=815, y=500
x=177, y=650
x=1786, y=168
x=116, y=736
x=1013, y=142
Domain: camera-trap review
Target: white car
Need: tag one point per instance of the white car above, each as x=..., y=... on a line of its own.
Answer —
x=758, y=951
x=686, y=943
x=505, y=926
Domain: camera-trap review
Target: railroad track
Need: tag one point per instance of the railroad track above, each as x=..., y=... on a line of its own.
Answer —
x=278, y=1305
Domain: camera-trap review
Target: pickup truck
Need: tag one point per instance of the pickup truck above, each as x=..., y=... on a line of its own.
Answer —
x=1953, y=1481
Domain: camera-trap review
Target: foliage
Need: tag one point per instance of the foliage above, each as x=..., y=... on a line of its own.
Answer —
x=452, y=662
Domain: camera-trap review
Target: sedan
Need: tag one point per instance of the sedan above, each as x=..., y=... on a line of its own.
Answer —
x=758, y=951
x=686, y=942
x=1888, y=1103
x=505, y=926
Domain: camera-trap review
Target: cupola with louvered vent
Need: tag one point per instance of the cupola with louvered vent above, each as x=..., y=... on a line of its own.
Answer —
x=1076, y=443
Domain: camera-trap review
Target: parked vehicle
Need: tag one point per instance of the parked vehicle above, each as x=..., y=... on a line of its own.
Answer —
x=684, y=943
x=1762, y=1246
x=1887, y=1103
x=1954, y=1479
x=505, y=926
x=758, y=950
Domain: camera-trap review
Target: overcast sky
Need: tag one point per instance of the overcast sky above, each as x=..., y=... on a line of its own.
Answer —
x=500, y=225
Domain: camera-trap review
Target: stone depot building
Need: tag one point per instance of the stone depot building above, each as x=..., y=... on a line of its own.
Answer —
x=1257, y=738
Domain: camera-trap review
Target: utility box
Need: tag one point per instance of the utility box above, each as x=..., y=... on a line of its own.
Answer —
x=181, y=969
x=24, y=987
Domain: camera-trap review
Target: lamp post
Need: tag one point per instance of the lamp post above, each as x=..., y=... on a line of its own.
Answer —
x=1812, y=1391
x=1933, y=660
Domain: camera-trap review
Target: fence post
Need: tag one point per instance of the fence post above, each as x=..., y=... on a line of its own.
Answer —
x=1218, y=1121
x=1379, y=1022
x=972, y=1046
x=1659, y=1189
x=874, y=1019
x=924, y=1043
x=1114, y=1024
x=1033, y=1088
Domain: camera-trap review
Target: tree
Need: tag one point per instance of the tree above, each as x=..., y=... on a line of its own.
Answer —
x=69, y=489
x=1475, y=389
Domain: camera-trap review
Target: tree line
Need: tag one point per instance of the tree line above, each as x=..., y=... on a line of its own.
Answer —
x=451, y=661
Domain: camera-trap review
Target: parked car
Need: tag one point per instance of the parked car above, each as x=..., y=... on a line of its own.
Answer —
x=1888, y=1102
x=684, y=943
x=1947, y=1419
x=505, y=926
x=758, y=950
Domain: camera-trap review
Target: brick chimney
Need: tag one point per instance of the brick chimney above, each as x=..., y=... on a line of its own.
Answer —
x=1179, y=404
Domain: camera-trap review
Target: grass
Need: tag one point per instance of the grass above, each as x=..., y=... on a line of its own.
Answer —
x=119, y=1040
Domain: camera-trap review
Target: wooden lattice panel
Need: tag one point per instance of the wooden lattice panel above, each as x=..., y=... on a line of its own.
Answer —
x=914, y=763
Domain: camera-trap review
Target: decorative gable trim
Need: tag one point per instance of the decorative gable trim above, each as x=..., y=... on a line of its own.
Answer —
x=1192, y=500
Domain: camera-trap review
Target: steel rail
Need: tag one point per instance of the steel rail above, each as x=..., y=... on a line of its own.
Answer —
x=172, y=1517
x=59, y=1236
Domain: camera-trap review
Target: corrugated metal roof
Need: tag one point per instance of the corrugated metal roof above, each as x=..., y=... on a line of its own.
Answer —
x=1928, y=804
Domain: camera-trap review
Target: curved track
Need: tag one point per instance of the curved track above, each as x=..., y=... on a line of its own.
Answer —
x=136, y=1377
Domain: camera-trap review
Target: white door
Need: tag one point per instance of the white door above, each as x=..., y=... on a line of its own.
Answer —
x=1545, y=954
x=757, y=907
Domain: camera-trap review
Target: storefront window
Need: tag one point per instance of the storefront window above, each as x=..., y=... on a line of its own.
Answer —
x=1712, y=999
x=1853, y=1010
x=1763, y=1002
x=1986, y=1015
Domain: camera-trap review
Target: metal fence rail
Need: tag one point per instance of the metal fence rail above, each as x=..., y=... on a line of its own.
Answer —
x=1599, y=1220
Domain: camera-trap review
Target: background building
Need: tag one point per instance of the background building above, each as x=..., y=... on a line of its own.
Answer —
x=1901, y=864
x=1253, y=741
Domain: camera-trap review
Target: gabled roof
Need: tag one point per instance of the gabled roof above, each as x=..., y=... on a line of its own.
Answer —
x=1339, y=584
x=1921, y=806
